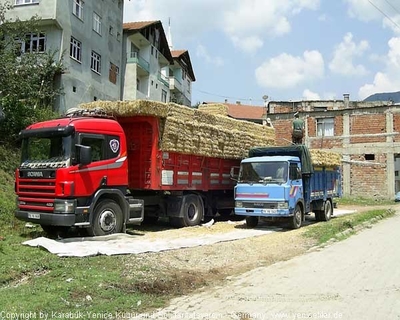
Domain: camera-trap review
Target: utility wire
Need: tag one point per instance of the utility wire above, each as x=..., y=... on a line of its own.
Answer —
x=392, y=6
x=227, y=97
x=377, y=8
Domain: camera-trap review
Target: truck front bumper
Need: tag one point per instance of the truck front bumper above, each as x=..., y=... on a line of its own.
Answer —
x=277, y=213
x=59, y=219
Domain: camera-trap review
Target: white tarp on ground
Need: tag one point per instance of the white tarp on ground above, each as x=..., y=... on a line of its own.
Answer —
x=133, y=244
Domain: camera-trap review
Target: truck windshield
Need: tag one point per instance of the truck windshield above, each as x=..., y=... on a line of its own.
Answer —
x=263, y=172
x=46, y=152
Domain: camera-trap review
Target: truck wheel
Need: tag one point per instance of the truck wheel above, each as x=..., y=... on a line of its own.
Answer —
x=318, y=214
x=327, y=213
x=252, y=222
x=297, y=219
x=193, y=212
x=107, y=219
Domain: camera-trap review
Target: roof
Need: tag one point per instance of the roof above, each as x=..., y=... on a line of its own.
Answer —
x=183, y=56
x=242, y=111
x=140, y=26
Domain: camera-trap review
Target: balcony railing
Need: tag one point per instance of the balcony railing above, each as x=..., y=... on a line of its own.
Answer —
x=163, y=79
x=134, y=57
x=175, y=84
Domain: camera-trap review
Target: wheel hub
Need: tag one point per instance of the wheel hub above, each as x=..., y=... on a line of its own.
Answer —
x=107, y=220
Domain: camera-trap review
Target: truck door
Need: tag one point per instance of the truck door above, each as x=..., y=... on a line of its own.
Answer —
x=296, y=183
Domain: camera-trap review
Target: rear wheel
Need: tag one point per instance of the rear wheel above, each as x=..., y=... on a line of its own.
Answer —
x=297, y=219
x=328, y=210
x=107, y=219
x=252, y=222
x=193, y=211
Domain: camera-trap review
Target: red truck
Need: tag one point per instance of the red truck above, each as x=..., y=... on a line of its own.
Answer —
x=89, y=170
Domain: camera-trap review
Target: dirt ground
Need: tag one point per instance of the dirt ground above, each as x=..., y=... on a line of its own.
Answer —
x=180, y=271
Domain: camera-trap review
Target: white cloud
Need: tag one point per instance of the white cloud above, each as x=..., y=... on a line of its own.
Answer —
x=309, y=95
x=202, y=52
x=236, y=18
x=345, y=53
x=389, y=79
x=286, y=71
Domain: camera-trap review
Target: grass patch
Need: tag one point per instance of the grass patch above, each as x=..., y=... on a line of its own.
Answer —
x=342, y=227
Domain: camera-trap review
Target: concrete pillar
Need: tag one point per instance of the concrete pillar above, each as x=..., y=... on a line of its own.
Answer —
x=390, y=166
x=346, y=168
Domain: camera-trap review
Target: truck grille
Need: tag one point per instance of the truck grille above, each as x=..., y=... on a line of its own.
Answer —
x=260, y=205
x=36, y=194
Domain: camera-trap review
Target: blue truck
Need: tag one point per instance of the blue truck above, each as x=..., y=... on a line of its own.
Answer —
x=283, y=183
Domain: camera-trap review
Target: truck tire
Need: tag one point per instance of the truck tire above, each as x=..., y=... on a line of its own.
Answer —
x=251, y=221
x=318, y=215
x=193, y=211
x=107, y=219
x=297, y=219
x=328, y=210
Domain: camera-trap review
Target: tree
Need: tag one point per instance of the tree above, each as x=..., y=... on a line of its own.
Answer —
x=27, y=79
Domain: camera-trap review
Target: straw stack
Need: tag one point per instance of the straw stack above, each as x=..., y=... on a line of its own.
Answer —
x=325, y=158
x=192, y=131
x=215, y=109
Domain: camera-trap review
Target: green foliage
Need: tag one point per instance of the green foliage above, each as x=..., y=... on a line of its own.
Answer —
x=27, y=81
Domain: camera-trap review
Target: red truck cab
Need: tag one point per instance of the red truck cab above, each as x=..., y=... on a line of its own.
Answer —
x=73, y=172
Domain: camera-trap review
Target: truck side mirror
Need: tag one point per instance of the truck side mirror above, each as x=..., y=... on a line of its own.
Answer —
x=234, y=174
x=85, y=154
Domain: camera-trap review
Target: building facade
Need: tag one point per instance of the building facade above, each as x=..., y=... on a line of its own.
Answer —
x=87, y=35
x=367, y=134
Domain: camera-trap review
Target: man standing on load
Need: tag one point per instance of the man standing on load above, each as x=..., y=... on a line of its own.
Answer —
x=298, y=129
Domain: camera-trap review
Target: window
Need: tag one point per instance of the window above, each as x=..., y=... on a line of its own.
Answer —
x=97, y=147
x=78, y=9
x=113, y=73
x=111, y=30
x=138, y=84
x=188, y=85
x=119, y=36
x=325, y=127
x=19, y=2
x=34, y=42
x=369, y=157
x=95, y=62
x=96, y=23
x=163, y=96
x=75, y=49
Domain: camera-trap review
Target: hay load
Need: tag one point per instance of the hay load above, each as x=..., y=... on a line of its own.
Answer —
x=193, y=131
x=215, y=109
x=325, y=158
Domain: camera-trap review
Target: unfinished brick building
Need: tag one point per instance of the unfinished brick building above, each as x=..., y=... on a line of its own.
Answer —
x=365, y=133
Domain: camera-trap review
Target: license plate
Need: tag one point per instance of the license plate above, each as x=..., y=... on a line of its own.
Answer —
x=33, y=215
x=269, y=211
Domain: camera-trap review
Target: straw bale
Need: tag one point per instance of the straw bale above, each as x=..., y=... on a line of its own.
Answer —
x=325, y=158
x=191, y=131
x=214, y=109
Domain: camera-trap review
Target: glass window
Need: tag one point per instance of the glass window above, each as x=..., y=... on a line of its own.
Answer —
x=264, y=172
x=97, y=146
x=96, y=23
x=75, y=49
x=95, y=62
x=19, y=2
x=325, y=127
x=78, y=9
x=34, y=42
x=163, y=96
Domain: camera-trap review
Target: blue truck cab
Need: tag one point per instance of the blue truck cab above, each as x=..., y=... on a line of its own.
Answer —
x=282, y=182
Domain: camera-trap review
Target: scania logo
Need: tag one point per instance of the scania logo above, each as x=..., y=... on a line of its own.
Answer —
x=35, y=174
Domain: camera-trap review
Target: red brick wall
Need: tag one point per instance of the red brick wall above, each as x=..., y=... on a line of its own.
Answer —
x=368, y=179
x=367, y=124
x=396, y=126
x=283, y=132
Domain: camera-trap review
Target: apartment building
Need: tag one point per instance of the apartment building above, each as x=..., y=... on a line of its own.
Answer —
x=152, y=70
x=181, y=76
x=88, y=35
x=367, y=134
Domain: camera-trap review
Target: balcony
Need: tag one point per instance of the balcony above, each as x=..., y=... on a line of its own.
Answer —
x=163, y=79
x=134, y=57
x=175, y=84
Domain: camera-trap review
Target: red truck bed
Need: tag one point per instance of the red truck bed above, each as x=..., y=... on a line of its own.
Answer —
x=153, y=169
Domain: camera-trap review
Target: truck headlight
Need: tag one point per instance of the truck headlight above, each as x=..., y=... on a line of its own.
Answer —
x=64, y=206
x=239, y=204
x=283, y=205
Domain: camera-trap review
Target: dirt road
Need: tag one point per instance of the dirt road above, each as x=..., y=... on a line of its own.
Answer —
x=358, y=278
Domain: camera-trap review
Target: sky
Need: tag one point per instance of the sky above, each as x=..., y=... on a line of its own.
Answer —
x=288, y=50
